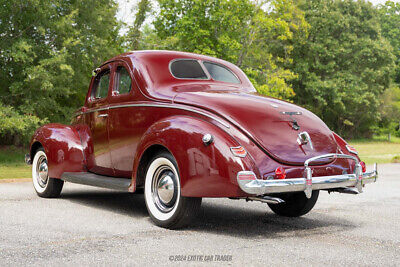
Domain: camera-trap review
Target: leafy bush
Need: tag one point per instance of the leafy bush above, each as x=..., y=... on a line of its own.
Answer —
x=16, y=128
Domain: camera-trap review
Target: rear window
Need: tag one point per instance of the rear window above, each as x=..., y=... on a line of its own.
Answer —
x=187, y=69
x=220, y=73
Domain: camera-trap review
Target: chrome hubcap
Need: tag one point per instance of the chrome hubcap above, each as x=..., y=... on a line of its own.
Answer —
x=164, y=189
x=42, y=171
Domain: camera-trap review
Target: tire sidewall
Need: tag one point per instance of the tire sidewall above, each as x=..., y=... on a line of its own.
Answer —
x=38, y=188
x=296, y=204
x=161, y=218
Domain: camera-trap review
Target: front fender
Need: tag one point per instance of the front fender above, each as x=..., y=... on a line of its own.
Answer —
x=205, y=171
x=62, y=146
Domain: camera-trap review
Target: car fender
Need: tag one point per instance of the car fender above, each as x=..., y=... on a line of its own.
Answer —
x=62, y=146
x=205, y=170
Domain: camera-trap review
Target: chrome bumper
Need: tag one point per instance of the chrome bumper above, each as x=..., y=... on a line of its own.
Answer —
x=28, y=159
x=309, y=183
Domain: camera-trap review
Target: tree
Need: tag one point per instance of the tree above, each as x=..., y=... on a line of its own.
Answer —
x=47, y=51
x=254, y=35
x=390, y=112
x=135, y=33
x=389, y=16
x=343, y=66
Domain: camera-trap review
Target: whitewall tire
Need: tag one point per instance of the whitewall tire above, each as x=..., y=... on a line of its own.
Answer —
x=162, y=193
x=43, y=184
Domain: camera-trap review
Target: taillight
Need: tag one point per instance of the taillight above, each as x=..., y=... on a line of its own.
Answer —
x=280, y=173
x=363, y=166
x=239, y=151
x=351, y=149
x=246, y=175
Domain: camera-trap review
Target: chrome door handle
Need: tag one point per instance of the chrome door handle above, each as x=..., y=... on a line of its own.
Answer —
x=103, y=115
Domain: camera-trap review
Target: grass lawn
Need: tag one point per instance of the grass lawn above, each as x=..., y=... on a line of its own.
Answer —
x=12, y=164
x=377, y=150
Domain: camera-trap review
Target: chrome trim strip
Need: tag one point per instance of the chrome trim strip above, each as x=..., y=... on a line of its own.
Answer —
x=351, y=151
x=290, y=113
x=159, y=106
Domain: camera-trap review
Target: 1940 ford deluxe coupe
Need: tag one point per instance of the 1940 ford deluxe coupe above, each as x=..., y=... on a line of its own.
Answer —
x=185, y=126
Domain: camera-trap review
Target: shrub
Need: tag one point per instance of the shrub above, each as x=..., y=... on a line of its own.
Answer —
x=16, y=128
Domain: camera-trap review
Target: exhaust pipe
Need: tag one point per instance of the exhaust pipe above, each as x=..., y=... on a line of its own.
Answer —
x=266, y=199
x=347, y=190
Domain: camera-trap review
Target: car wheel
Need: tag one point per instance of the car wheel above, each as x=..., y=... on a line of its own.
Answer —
x=44, y=186
x=162, y=193
x=295, y=205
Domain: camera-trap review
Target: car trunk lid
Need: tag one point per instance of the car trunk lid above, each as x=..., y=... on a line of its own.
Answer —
x=273, y=124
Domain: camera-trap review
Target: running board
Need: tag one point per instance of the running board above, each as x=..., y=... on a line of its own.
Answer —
x=88, y=178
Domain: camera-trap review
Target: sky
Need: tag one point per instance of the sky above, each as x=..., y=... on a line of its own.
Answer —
x=126, y=11
x=375, y=2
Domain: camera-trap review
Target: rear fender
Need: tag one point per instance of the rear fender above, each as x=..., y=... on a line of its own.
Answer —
x=62, y=146
x=205, y=170
x=342, y=145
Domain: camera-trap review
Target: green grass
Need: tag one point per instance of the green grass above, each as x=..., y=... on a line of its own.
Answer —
x=377, y=149
x=12, y=164
x=377, y=139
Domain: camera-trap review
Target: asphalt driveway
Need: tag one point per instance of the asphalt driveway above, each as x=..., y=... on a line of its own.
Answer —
x=90, y=226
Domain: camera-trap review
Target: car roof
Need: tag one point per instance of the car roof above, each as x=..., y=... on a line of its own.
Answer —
x=143, y=54
x=153, y=69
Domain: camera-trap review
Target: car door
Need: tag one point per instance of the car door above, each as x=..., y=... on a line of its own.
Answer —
x=99, y=160
x=123, y=120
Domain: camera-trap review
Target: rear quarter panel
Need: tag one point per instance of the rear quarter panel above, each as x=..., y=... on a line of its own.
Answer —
x=205, y=171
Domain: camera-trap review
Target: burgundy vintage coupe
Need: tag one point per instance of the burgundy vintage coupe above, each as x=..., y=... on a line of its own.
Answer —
x=185, y=126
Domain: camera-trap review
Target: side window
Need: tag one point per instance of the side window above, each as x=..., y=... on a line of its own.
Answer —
x=101, y=85
x=220, y=73
x=123, y=82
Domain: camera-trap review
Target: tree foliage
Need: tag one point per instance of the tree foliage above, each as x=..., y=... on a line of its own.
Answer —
x=135, y=34
x=15, y=128
x=255, y=35
x=390, y=112
x=47, y=51
x=338, y=58
x=389, y=15
x=343, y=66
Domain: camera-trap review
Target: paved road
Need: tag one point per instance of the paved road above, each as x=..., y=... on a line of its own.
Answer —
x=90, y=226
